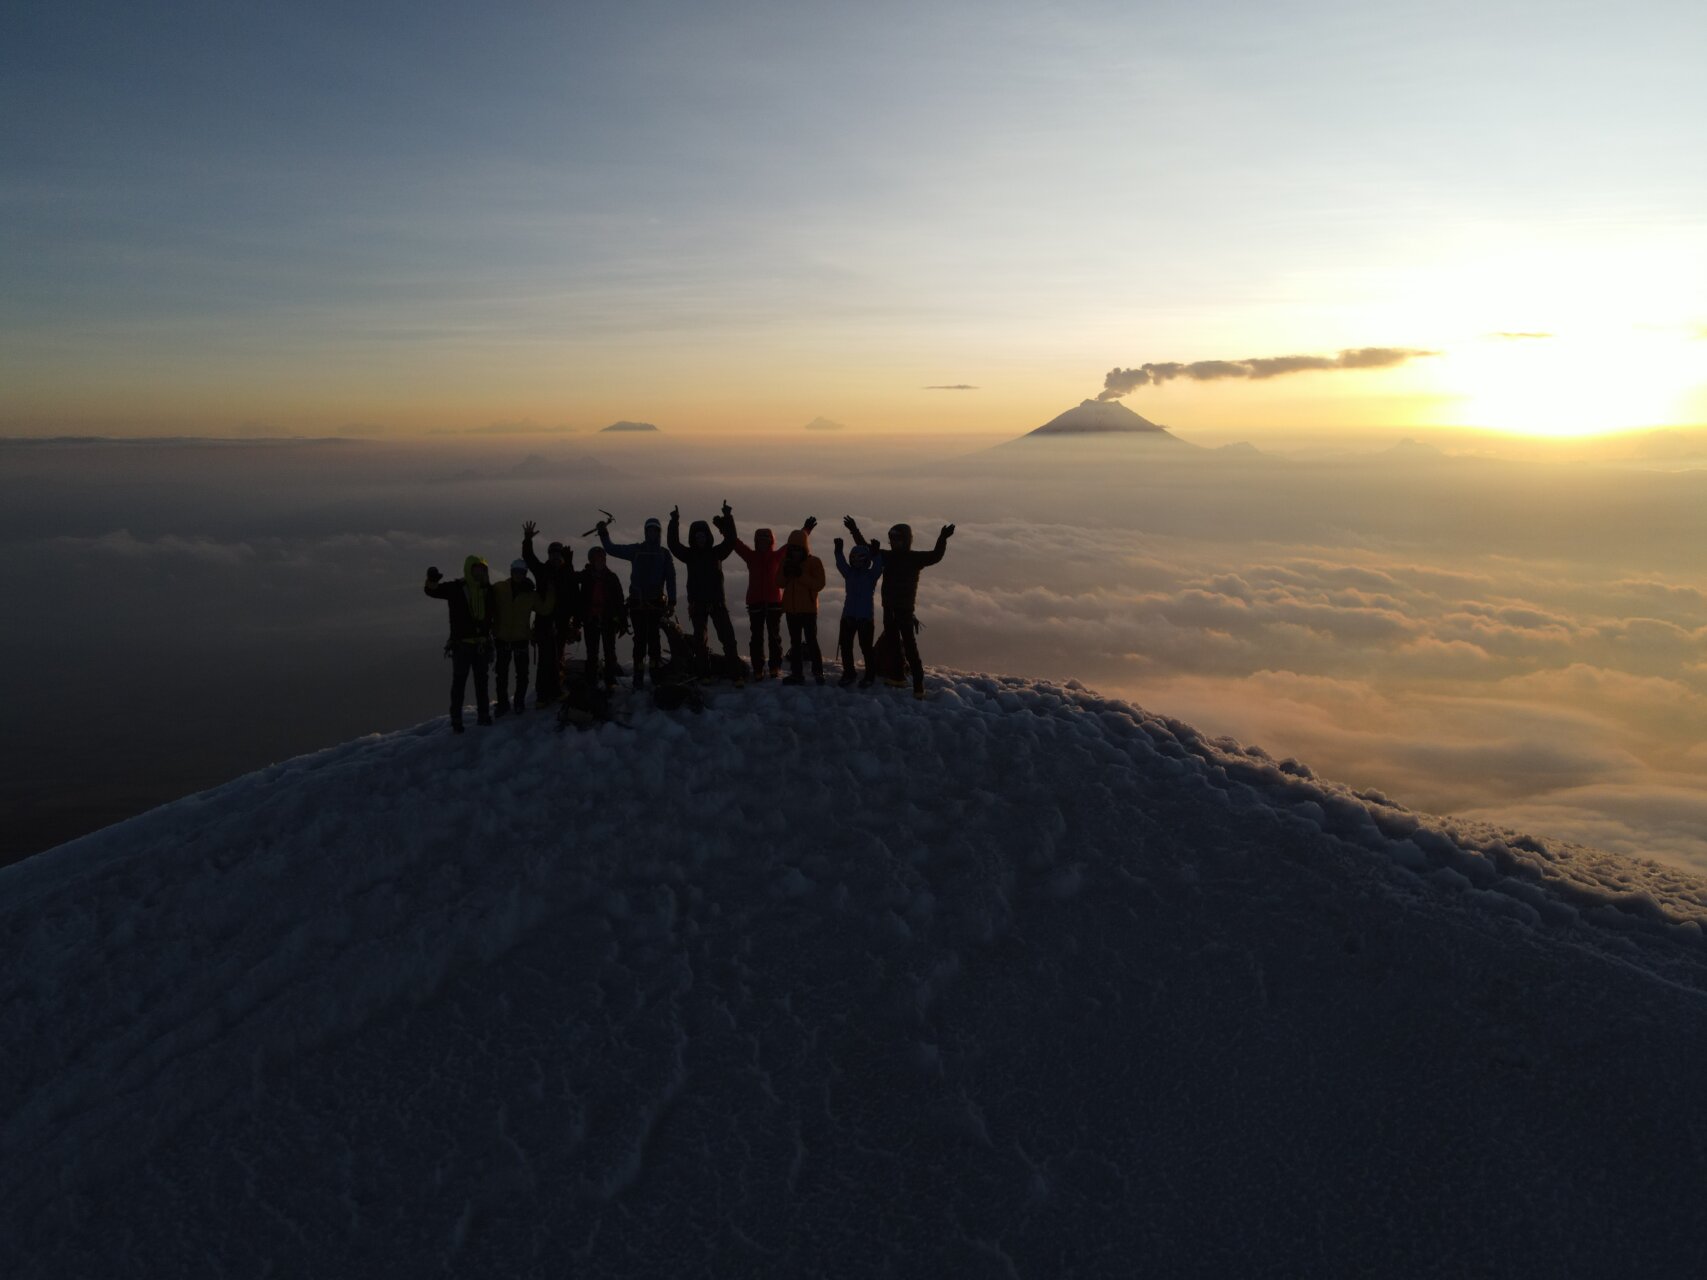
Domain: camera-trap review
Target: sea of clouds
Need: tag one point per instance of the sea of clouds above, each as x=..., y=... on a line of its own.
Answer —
x=1519, y=641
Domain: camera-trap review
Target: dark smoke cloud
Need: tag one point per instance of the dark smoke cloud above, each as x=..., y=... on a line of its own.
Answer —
x=1119, y=382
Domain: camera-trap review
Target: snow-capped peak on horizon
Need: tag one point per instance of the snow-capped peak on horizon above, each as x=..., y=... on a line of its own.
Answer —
x=831, y=980
x=1091, y=417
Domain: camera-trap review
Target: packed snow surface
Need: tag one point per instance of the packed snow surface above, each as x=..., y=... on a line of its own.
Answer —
x=1015, y=981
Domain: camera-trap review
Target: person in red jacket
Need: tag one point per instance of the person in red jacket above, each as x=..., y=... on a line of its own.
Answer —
x=764, y=590
x=603, y=614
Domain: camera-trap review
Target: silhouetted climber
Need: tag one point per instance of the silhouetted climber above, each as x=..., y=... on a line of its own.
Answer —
x=764, y=593
x=554, y=628
x=602, y=614
x=651, y=589
x=860, y=572
x=514, y=603
x=901, y=568
x=802, y=578
x=706, y=602
x=470, y=645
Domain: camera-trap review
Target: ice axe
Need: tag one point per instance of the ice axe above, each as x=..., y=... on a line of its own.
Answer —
x=608, y=518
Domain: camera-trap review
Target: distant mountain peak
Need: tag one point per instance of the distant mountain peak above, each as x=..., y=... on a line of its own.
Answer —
x=1098, y=417
x=821, y=423
x=626, y=425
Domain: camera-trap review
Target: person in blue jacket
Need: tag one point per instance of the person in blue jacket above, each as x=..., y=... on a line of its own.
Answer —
x=860, y=572
x=651, y=590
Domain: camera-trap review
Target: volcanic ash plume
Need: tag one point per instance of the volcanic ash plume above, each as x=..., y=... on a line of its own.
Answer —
x=1119, y=382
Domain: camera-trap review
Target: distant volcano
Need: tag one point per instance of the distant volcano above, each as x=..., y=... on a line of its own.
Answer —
x=1098, y=417
x=625, y=425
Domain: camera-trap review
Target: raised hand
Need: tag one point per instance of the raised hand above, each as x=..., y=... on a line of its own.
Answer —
x=838, y=542
x=849, y=523
x=811, y=524
x=529, y=529
x=675, y=515
x=947, y=531
x=728, y=510
x=433, y=575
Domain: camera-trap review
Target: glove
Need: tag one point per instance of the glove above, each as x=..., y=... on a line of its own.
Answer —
x=811, y=524
x=838, y=544
x=433, y=575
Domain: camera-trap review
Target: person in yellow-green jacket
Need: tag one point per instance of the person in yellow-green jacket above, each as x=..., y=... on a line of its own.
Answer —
x=470, y=645
x=514, y=602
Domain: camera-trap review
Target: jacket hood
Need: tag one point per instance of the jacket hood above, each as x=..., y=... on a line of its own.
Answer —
x=763, y=539
x=699, y=534
x=860, y=557
x=468, y=563
x=654, y=531
x=800, y=538
x=901, y=537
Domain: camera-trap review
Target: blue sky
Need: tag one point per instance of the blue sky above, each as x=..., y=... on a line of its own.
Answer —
x=419, y=214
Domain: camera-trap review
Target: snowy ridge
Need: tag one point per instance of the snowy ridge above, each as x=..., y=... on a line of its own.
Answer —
x=819, y=979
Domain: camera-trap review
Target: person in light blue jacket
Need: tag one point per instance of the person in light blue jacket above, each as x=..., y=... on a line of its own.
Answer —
x=651, y=589
x=860, y=572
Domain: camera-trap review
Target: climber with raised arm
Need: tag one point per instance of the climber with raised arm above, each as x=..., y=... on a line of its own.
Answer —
x=554, y=628
x=901, y=568
x=704, y=559
x=651, y=590
x=470, y=645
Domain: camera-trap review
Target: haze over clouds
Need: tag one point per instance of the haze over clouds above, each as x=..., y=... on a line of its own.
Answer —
x=1525, y=643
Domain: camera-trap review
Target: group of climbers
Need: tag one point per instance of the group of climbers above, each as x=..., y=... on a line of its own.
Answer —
x=557, y=605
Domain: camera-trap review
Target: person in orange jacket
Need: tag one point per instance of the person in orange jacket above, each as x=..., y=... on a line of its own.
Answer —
x=801, y=577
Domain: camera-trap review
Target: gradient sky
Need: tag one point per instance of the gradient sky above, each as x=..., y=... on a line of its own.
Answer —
x=715, y=217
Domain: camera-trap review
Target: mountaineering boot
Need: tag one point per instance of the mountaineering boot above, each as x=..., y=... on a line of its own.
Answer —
x=919, y=692
x=846, y=680
x=456, y=726
x=485, y=718
x=502, y=709
x=639, y=675
x=818, y=678
x=794, y=679
x=867, y=680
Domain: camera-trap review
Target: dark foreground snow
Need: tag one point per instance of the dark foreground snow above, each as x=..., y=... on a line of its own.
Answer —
x=1018, y=981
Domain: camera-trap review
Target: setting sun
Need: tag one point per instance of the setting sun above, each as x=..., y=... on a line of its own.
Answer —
x=1546, y=385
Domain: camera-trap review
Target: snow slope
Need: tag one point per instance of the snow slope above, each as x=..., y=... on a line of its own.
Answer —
x=1017, y=981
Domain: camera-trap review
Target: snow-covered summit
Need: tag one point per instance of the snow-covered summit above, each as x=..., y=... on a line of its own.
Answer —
x=1100, y=417
x=1019, y=980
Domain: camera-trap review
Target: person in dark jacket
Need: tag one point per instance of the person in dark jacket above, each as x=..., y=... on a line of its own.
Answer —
x=651, y=590
x=602, y=615
x=470, y=645
x=802, y=578
x=860, y=572
x=764, y=591
x=901, y=568
x=553, y=630
x=706, y=602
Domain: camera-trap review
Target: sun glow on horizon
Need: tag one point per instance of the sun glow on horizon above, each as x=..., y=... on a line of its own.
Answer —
x=1578, y=385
